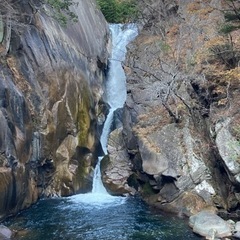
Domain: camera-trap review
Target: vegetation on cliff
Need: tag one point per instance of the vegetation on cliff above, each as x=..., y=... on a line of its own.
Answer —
x=232, y=16
x=60, y=10
x=118, y=11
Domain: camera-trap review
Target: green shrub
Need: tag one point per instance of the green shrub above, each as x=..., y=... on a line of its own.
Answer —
x=147, y=190
x=61, y=10
x=116, y=11
x=228, y=28
x=232, y=17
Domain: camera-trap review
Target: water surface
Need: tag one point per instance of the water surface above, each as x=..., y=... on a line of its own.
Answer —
x=75, y=219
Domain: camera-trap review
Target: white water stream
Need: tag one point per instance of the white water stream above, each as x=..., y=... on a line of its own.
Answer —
x=94, y=215
x=116, y=96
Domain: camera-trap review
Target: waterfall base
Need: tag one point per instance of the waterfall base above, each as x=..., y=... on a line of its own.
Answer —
x=97, y=200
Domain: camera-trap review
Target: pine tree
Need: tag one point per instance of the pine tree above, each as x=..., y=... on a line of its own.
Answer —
x=232, y=16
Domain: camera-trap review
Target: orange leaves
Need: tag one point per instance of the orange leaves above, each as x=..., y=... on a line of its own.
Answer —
x=232, y=75
x=197, y=8
x=173, y=31
x=213, y=50
x=193, y=7
x=215, y=41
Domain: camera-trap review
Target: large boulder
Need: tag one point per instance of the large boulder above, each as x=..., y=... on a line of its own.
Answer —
x=210, y=225
x=171, y=151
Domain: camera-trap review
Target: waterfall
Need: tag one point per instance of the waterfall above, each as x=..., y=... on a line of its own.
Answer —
x=116, y=96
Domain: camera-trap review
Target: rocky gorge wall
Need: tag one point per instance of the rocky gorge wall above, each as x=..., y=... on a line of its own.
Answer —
x=179, y=144
x=51, y=91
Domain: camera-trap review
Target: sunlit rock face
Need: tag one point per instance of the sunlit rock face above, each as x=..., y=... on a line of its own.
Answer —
x=50, y=98
x=180, y=124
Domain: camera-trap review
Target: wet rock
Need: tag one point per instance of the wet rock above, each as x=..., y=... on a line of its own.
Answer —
x=116, y=168
x=209, y=225
x=117, y=118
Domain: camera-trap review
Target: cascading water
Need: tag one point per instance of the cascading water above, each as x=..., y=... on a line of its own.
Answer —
x=65, y=218
x=115, y=87
x=116, y=96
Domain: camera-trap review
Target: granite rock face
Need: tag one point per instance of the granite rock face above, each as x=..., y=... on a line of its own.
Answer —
x=181, y=117
x=51, y=91
x=228, y=145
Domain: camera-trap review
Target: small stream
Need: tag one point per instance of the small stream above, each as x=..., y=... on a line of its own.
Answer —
x=98, y=215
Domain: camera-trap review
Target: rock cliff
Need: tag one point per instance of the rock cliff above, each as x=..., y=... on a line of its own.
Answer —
x=51, y=91
x=181, y=118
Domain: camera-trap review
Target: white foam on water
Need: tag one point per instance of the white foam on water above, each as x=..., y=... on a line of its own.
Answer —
x=97, y=200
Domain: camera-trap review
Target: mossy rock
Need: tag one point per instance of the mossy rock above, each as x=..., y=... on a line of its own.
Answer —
x=84, y=119
x=147, y=190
